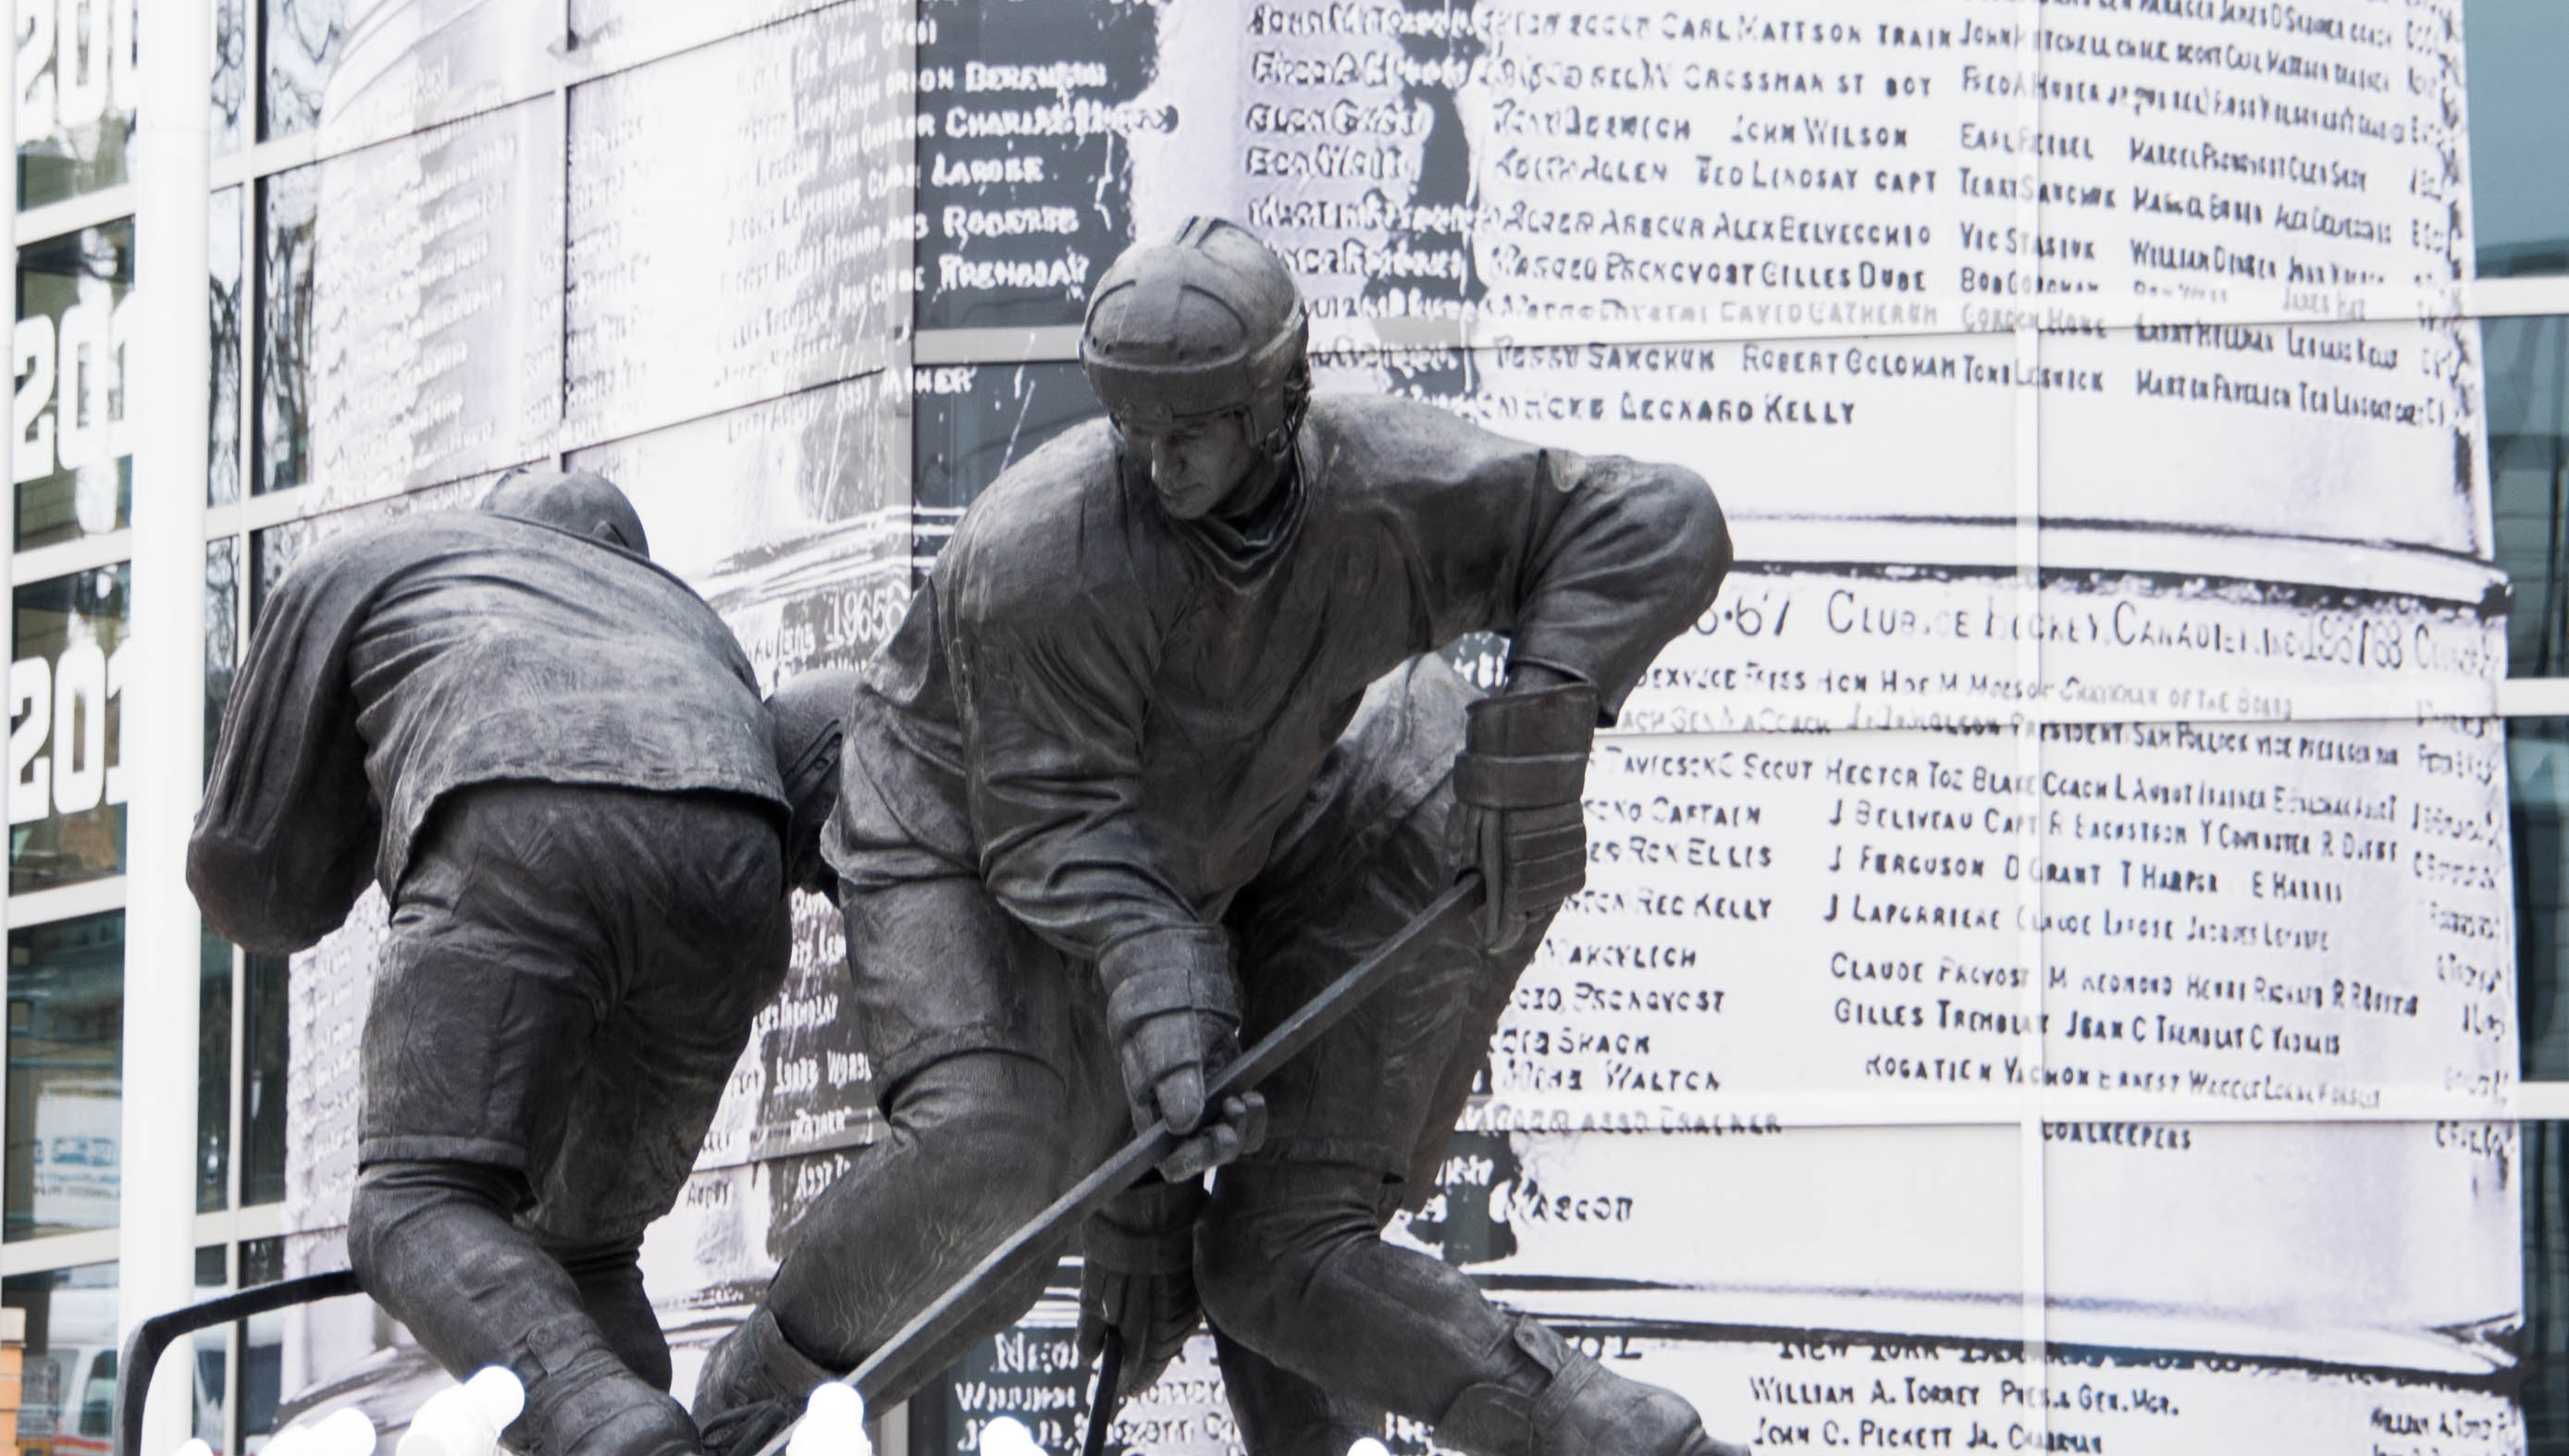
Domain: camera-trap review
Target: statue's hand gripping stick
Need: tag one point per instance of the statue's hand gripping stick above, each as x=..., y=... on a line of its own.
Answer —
x=1038, y=1240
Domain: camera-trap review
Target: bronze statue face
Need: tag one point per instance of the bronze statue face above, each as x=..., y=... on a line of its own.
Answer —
x=1198, y=463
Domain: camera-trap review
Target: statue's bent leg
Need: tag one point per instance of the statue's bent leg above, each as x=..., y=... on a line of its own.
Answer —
x=608, y=1276
x=999, y=1096
x=544, y=939
x=434, y=1244
x=1290, y=1264
x=704, y=946
x=975, y=1147
x=1289, y=1259
x=1281, y=1414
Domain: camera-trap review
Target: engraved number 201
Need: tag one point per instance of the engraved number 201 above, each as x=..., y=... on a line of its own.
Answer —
x=62, y=704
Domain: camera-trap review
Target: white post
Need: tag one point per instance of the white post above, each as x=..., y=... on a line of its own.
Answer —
x=163, y=721
x=8, y=472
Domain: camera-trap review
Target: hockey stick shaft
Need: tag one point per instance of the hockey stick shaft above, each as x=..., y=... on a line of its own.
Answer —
x=896, y=1366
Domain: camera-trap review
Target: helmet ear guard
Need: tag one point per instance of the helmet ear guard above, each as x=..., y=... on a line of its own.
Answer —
x=1276, y=416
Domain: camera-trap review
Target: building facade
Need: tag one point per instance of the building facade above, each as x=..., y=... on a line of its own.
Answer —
x=2074, y=942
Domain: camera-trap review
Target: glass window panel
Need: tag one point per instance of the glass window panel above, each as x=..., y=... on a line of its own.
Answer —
x=76, y=93
x=781, y=106
x=975, y=420
x=262, y=1262
x=2537, y=768
x=448, y=244
x=67, y=783
x=66, y=1044
x=262, y=1356
x=300, y=44
x=262, y=1344
x=289, y=203
x=67, y=1383
x=2525, y=362
x=74, y=462
x=264, y=1048
x=224, y=337
x=271, y=552
x=223, y=599
x=227, y=123
x=212, y=1278
x=970, y=172
x=213, y=1073
x=2544, y=1366
x=2516, y=51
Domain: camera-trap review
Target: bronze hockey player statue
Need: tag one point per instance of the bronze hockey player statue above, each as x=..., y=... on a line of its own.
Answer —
x=553, y=756
x=1154, y=754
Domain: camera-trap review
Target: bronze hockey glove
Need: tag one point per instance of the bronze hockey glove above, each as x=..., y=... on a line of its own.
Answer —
x=1174, y=1013
x=1138, y=1278
x=1517, y=785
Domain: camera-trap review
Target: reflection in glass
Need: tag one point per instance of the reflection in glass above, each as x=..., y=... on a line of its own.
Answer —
x=300, y=44
x=264, y=1048
x=1083, y=178
x=66, y=1043
x=797, y=167
x=212, y=1278
x=288, y=202
x=77, y=86
x=225, y=122
x=66, y=675
x=2526, y=365
x=213, y=1072
x=2545, y=1367
x=271, y=552
x=262, y=1262
x=2515, y=52
x=2538, y=783
x=262, y=1344
x=975, y=420
x=224, y=337
x=73, y=460
x=222, y=597
x=66, y=1389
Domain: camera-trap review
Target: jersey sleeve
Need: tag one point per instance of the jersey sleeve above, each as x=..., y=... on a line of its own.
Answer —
x=1052, y=683
x=285, y=839
x=1590, y=564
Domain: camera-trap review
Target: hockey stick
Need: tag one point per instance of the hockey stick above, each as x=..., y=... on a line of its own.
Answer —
x=1101, y=1413
x=896, y=1364
x=900, y=1354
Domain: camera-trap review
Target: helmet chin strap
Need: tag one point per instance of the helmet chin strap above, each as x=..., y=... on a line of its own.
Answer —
x=1281, y=464
x=1278, y=442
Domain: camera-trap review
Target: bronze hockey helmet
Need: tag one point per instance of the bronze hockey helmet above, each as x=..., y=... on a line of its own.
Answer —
x=1207, y=323
x=581, y=502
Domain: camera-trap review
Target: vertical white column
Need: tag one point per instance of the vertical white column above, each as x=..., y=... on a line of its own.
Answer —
x=162, y=738
x=8, y=472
